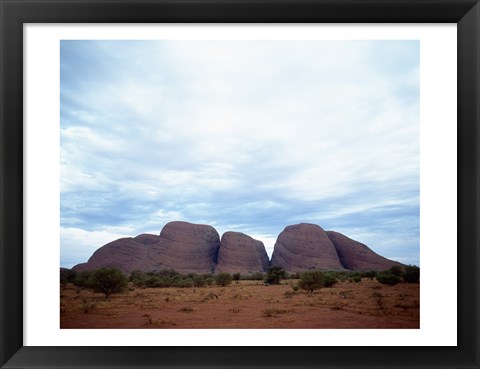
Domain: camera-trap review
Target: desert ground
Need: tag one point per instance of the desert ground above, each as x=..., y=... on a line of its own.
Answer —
x=247, y=304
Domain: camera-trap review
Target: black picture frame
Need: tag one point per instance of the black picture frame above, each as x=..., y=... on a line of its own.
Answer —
x=15, y=13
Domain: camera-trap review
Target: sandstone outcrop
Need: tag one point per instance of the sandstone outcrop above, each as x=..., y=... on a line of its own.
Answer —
x=305, y=246
x=356, y=256
x=185, y=247
x=196, y=248
x=240, y=253
x=126, y=254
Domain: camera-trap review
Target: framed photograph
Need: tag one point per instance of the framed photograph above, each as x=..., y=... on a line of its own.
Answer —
x=318, y=153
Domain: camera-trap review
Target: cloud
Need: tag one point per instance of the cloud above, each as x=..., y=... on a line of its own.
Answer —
x=77, y=245
x=244, y=135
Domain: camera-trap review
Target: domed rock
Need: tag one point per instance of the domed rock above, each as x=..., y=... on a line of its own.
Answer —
x=357, y=256
x=126, y=254
x=305, y=246
x=147, y=239
x=182, y=246
x=186, y=248
x=240, y=253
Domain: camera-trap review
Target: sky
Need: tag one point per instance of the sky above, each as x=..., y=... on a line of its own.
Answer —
x=247, y=136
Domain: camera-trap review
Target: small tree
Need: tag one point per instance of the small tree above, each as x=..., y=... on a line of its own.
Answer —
x=67, y=276
x=236, y=277
x=411, y=274
x=396, y=270
x=223, y=279
x=108, y=281
x=83, y=279
x=311, y=280
x=275, y=275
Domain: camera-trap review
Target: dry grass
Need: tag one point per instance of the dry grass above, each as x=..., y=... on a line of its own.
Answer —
x=248, y=304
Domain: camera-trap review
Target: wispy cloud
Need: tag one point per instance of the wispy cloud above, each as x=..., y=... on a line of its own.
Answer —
x=244, y=135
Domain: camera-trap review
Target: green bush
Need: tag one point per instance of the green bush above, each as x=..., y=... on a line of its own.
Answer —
x=153, y=281
x=356, y=278
x=108, y=281
x=198, y=281
x=257, y=276
x=388, y=278
x=275, y=275
x=329, y=280
x=138, y=278
x=236, y=277
x=371, y=274
x=411, y=274
x=209, y=280
x=342, y=276
x=223, y=279
x=67, y=275
x=396, y=270
x=311, y=280
x=184, y=283
x=83, y=279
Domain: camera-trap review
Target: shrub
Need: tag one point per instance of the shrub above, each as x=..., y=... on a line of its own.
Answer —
x=187, y=309
x=311, y=280
x=67, y=276
x=138, y=278
x=236, y=277
x=379, y=299
x=257, y=276
x=357, y=278
x=88, y=306
x=223, y=279
x=411, y=274
x=389, y=279
x=209, y=280
x=184, y=282
x=396, y=270
x=154, y=281
x=83, y=279
x=198, y=281
x=209, y=296
x=289, y=294
x=108, y=281
x=371, y=274
x=275, y=275
x=274, y=312
x=295, y=275
x=329, y=280
x=342, y=276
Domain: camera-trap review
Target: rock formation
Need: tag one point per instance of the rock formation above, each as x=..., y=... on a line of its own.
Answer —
x=240, y=253
x=356, y=256
x=305, y=246
x=126, y=254
x=185, y=247
x=196, y=248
